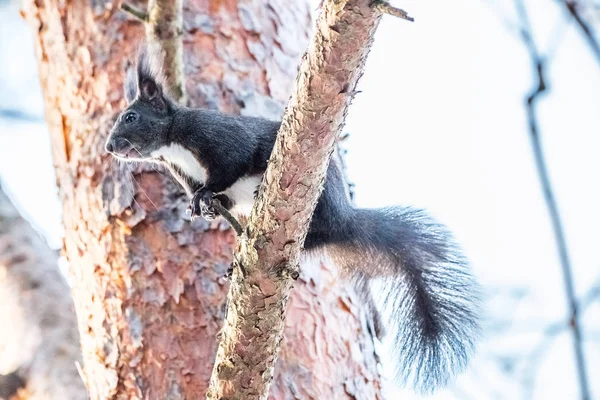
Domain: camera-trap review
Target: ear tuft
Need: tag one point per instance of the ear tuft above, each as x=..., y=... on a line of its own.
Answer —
x=130, y=87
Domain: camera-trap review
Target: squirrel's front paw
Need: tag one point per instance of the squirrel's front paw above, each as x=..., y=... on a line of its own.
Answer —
x=201, y=205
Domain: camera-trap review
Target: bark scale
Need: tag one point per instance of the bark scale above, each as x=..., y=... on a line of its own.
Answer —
x=266, y=261
x=148, y=284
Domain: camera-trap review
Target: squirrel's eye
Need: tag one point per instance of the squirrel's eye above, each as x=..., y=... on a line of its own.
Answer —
x=129, y=117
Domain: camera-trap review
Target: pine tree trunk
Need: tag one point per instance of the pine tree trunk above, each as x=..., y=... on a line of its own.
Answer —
x=148, y=284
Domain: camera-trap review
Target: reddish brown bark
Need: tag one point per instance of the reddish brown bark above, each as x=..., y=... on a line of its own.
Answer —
x=148, y=284
x=267, y=258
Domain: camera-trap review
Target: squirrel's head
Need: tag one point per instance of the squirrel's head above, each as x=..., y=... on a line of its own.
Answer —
x=144, y=125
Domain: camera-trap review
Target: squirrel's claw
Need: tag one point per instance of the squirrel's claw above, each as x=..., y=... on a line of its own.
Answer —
x=201, y=205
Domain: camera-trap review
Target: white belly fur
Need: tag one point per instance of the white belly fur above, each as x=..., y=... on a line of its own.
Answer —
x=242, y=194
x=184, y=159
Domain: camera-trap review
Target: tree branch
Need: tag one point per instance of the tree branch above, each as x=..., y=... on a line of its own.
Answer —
x=19, y=115
x=559, y=235
x=138, y=14
x=540, y=87
x=386, y=8
x=237, y=227
x=266, y=261
x=38, y=317
x=585, y=28
x=165, y=26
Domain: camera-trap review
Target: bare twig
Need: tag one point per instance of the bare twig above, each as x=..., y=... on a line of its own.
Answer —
x=237, y=227
x=530, y=361
x=538, y=64
x=558, y=229
x=386, y=8
x=584, y=27
x=537, y=355
x=591, y=296
x=19, y=115
x=138, y=14
x=266, y=261
x=549, y=335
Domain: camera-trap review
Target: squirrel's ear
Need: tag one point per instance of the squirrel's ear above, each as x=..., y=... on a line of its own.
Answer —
x=150, y=78
x=151, y=92
x=130, y=85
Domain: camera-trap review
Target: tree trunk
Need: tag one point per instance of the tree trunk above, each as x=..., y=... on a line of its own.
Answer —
x=148, y=284
x=39, y=343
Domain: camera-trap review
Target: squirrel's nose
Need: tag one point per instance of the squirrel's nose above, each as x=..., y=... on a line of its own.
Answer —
x=109, y=147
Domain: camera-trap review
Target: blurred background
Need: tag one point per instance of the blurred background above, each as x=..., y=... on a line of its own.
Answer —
x=443, y=123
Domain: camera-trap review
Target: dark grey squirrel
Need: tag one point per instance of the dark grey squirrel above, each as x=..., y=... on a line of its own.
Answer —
x=425, y=281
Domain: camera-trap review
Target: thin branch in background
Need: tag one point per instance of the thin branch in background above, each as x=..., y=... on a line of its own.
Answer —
x=557, y=227
x=19, y=115
x=537, y=355
x=138, y=14
x=503, y=326
x=555, y=41
x=529, y=361
x=585, y=28
x=509, y=23
x=590, y=297
x=550, y=334
x=540, y=87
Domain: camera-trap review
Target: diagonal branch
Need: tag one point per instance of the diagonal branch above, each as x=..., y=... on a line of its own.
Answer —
x=585, y=28
x=387, y=8
x=266, y=261
x=134, y=12
x=233, y=222
x=556, y=222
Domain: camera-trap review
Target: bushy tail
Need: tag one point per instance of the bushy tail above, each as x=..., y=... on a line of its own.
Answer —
x=432, y=297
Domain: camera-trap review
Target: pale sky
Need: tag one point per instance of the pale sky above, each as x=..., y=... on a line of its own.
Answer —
x=440, y=124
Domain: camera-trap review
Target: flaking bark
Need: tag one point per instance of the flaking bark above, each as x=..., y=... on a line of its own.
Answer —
x=266, y=261
x=148, y=284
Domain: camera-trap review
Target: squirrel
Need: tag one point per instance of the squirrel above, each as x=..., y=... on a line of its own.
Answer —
x=428, y=289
